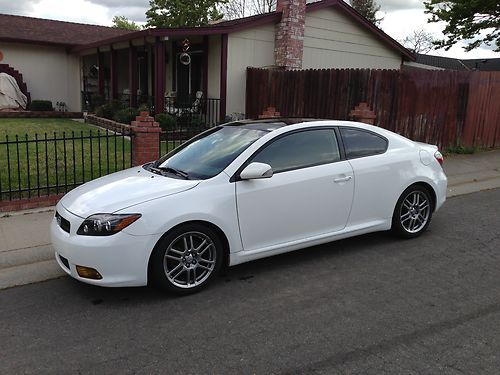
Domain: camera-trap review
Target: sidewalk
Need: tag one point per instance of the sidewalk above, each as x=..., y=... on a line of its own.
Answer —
x=26, y=255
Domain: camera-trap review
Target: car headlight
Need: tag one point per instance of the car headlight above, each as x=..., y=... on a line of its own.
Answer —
x=106, y=224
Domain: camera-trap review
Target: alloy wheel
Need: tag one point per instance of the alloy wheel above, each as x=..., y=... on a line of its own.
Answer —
x=415, y=211
x=189, y=259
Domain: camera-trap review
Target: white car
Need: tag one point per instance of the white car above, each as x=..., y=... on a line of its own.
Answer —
x=243, y=191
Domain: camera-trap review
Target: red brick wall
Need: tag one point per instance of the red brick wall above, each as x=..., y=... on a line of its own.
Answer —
x=40, y=114
x=289, y=44
x=28, y=203
x=146, y=139
x=107, y=124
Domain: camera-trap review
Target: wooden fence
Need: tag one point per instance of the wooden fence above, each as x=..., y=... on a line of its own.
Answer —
x=448, y=108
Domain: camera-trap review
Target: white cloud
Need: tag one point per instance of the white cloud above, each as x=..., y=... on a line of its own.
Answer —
x=21, y=7
x=391, y=5
x=400, y=23
x=73, y=11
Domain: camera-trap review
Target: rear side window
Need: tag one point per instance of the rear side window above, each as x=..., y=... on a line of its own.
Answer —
x=300, y=150
x=359, y=143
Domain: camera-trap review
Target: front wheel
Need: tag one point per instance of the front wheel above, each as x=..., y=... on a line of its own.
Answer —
x=413, y=212
x=186, y=259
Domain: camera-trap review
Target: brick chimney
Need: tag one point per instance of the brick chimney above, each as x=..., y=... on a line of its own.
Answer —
x=289, y=44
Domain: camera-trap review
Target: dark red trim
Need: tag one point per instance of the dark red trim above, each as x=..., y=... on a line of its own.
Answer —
x=132, y=75
x=37, y=42
x=100, y=72
x=174, y=66
x=350, y=11
x=159, y=75
x=113, y=82
x=220, y=28
x=205, y=66
x=223, y=76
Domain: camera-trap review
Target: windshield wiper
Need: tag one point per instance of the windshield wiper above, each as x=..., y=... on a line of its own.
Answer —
x=177, y=172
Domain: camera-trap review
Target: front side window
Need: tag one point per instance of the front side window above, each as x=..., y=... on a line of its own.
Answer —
x=359, y=143
x=299, y=150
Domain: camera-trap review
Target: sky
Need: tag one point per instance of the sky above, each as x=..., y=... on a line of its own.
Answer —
x=401, y=17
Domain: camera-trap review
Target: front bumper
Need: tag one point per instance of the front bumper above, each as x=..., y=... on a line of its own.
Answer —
x=121, y=259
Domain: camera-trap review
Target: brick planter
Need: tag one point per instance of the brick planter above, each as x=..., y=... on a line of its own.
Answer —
x=107, y=124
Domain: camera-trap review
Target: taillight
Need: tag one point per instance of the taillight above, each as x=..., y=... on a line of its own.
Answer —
x=439, y=157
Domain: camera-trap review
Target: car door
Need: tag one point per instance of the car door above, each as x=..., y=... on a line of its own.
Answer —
x=309, y=194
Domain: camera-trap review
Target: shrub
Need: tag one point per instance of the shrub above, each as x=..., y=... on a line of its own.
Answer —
x=197, y=121
x=126, y=115
x=108, y=110
x=144, y=107
x=105, y=111
x=96, y=100
x=41, y=105
x=166, y=121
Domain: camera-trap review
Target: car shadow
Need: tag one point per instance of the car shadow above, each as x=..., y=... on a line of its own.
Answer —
x=329, y=252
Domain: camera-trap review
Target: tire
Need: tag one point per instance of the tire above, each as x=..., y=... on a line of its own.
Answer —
x=413, y=212
x=186, y=259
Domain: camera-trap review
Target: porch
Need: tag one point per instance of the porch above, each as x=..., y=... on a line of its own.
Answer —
x=175, y=74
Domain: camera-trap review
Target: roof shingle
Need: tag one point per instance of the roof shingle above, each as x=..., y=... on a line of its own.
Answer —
x=43, y=31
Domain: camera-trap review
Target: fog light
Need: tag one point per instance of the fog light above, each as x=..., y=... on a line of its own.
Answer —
x=88, y=273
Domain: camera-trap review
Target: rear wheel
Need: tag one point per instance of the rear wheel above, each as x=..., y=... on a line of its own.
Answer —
x=413, y=212
x=186, y=259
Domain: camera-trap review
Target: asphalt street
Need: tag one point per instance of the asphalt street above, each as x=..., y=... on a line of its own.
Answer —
x=369, y=305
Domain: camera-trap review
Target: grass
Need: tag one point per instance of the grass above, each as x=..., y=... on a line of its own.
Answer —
x=463, y=150
x=68, y=158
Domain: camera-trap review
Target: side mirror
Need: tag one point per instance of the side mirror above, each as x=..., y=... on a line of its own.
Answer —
x=255, y=171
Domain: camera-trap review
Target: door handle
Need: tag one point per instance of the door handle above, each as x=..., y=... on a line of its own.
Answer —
x=342, y=179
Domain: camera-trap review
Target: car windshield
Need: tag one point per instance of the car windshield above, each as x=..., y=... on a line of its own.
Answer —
x=210, y=153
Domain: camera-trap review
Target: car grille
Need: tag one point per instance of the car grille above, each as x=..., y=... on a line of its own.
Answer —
x=64, y=261
x=62, y=222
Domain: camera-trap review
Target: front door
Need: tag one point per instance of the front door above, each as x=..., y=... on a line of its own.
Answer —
x=310, y=193
x=189, y=78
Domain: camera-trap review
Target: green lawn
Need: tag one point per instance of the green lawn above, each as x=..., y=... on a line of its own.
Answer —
x=68, y=158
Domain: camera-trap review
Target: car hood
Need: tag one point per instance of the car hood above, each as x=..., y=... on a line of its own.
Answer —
x=120, y=190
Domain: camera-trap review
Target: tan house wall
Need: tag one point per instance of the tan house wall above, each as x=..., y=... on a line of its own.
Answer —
x=253, y=47
x=49, y=72
x=333, y=40
x=213, y=71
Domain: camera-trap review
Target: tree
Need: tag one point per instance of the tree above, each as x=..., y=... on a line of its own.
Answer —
x=181, y=13
x=368, y=8
x=242, y=8
x=419, y=41
x=467, y=19
x=236, y=9
x=122, y=22
x=263, y=6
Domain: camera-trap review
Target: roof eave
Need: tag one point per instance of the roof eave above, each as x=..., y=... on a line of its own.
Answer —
x=184, y=31
x=273, y=17
x=37, y=42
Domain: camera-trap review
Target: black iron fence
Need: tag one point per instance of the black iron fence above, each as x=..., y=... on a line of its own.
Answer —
x=177, y=135
x=196, y=112
x=53, y=164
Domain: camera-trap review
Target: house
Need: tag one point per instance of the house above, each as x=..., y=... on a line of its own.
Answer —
x=37, y=52
x=170, y=69
x=432, y=62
